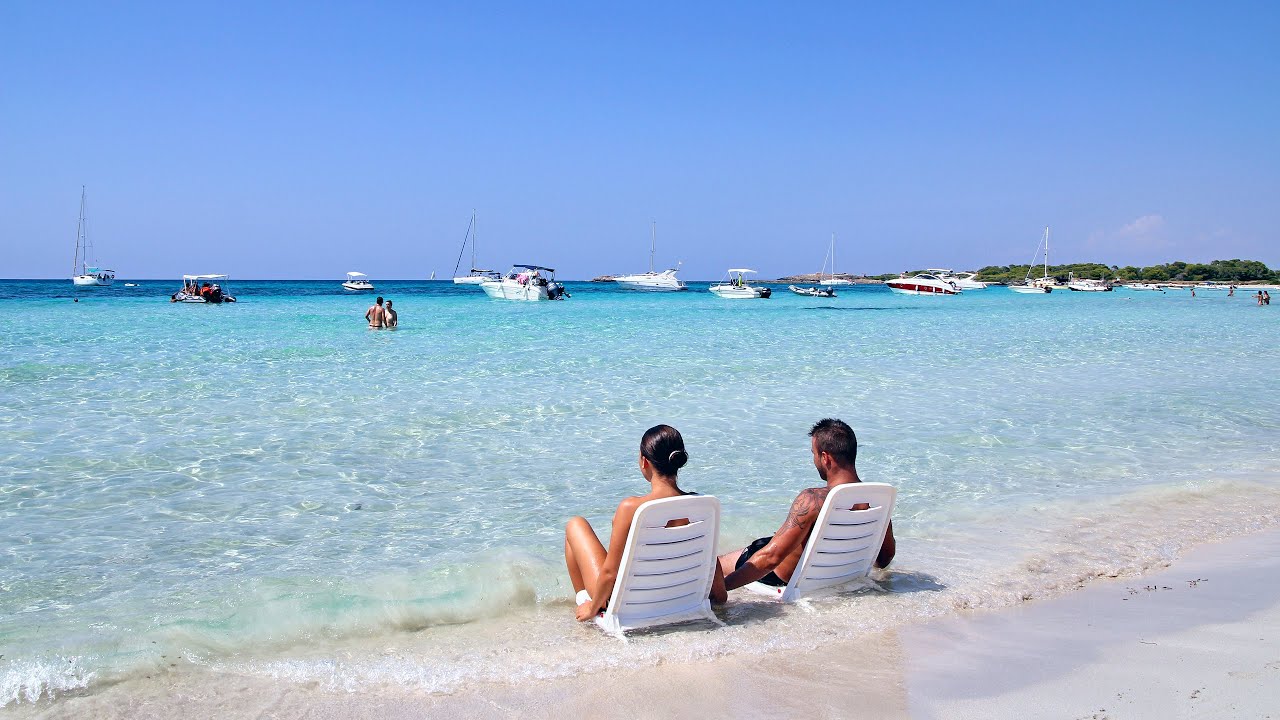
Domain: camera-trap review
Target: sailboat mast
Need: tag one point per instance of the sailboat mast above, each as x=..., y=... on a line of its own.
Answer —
x=653, y=241
x=80, y=236
x=833, y=256
x=475, y=231
x=1046, y=252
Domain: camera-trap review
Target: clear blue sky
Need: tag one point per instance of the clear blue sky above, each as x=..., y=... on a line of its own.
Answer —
x=309, y=139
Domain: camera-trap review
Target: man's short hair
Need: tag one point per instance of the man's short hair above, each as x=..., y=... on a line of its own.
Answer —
x=836, y=438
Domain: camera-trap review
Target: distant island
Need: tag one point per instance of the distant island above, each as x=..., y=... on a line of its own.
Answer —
x=1233, y=271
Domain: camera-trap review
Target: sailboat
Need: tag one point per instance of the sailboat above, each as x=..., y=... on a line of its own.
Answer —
x=93, y=276
x=477, y=275
x=665, y=281
x=1040, y=285
x=823, y=292
x=833, y=280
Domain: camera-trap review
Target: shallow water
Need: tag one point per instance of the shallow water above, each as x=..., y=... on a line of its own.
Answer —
x=271, y=488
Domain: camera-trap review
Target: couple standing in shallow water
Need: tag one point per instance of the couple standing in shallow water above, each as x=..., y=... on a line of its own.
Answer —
x=380, y=317
x=593, y=568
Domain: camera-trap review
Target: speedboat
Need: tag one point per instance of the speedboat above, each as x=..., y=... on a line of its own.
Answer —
x=737, y=288
x=91, y=275
x=966, y=281
x=203, y=289
x=963, y=281
x=1144, y=286
x=1211, y=285
x=827, y=292
x=923, y=284
x=525, y=282
x=1088, y=285
x=357, y=282
x=665, y=281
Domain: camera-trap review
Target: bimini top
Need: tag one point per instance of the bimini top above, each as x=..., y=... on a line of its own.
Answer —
x=356, y=274
x=741, y=270
x=533, y=267
x=205, y=277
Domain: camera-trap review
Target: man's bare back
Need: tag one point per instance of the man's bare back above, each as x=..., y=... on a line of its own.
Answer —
x=376, y=316
x=772, y=560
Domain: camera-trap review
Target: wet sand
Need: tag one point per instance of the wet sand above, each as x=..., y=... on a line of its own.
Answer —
x=1201, y=638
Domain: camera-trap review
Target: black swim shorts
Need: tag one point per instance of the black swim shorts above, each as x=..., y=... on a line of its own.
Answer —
x=771, y=579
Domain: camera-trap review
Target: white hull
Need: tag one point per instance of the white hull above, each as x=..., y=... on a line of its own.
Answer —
x=1087, y=287
x=736, y=292
x=651, y=282
x=1144, y=286
x=92, y=281
x=514, y=290
x=471, y=280
x=922, y=285
x=1030, y=289
x=969, y=284
x=358, y=286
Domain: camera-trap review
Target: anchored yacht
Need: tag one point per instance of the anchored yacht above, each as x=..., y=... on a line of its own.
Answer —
x=92, y=275
x=665, y=281
x=525, y=282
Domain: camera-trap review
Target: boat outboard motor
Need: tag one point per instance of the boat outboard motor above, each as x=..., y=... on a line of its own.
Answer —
x=765, y=292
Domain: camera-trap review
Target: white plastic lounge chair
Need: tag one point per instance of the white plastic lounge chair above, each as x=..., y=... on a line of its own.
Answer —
x=844, y=543
x=666, y=572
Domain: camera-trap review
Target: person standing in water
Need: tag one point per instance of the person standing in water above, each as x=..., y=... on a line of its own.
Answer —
x=393, y=319
x=376, y=316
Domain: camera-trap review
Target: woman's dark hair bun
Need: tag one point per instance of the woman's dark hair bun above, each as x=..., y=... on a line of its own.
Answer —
x=678, y=458
x=663, y=447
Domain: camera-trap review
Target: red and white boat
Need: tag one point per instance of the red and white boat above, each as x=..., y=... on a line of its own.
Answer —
x=923, y=284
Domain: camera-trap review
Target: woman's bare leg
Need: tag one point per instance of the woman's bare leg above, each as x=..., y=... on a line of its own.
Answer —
x=583, y=554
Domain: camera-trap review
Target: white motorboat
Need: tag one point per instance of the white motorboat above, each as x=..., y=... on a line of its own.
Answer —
x=965, y=280
x=203, y=290
x=665, y=281
x=477, y=275
x=1076, y=284
x=91, y=275
x=1211, y=285
x=737, y=288
x=1040, y=285
x=357, y=282
x=525, y=282
x=828, y=292
x=922, y=284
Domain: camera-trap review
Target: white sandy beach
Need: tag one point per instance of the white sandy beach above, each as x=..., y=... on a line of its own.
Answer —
x=1198, y=639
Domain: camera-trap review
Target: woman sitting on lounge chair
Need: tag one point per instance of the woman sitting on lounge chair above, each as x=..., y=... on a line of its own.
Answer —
x=592, y=568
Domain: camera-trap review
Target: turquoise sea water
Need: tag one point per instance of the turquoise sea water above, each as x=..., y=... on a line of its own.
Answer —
x=269, y=488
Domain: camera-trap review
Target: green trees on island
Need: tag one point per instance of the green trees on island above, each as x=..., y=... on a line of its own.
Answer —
x=1220, y=270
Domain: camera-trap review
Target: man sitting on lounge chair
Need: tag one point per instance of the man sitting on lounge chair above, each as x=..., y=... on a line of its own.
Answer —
x=771, y=560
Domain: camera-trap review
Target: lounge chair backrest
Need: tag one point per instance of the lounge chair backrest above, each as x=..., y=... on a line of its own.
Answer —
x=844, y=543
x=666, y=572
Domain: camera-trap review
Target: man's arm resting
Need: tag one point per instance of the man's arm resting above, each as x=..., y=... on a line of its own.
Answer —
x=792, y=534
x=756, y=567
